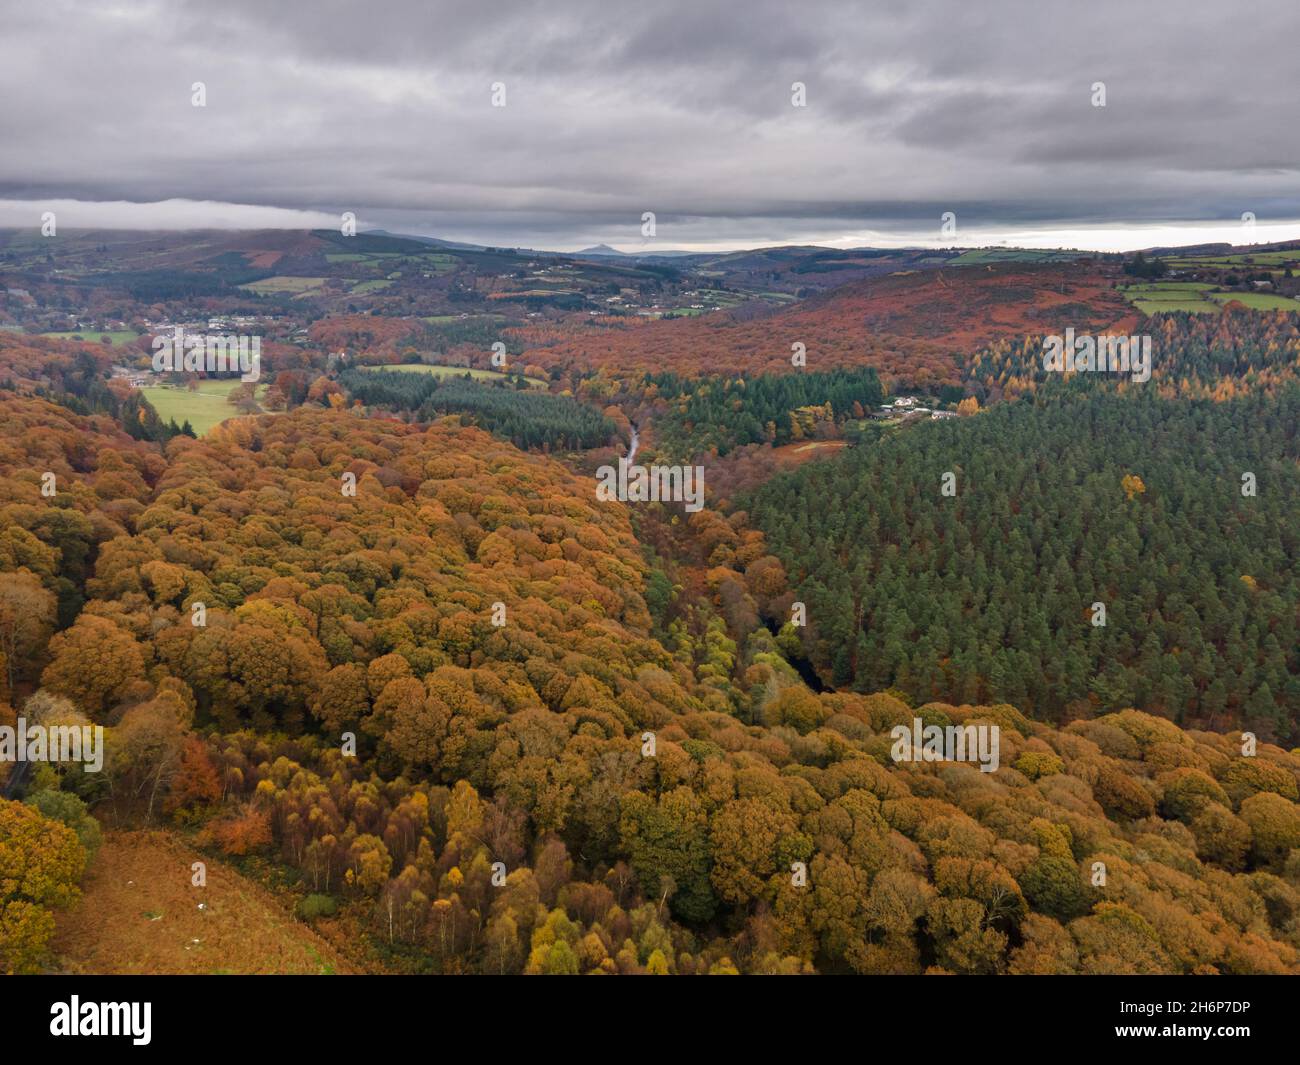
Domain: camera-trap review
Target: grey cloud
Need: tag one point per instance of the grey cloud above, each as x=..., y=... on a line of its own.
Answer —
x=680, y=107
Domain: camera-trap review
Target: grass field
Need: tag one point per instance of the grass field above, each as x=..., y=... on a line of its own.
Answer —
x=362, y=287
x=272, y=286
x=203, y=409
x=1277, y=258
x=117, y=338
x=1257, y=301
x=1199, y=297
x=1166, y=286
x=818, y=445
x=438, y=262
x=140, y=914
x=1290, y=257
x=1010, y=255
x=1166, y=305
x=1152, y=297
x=453, y=371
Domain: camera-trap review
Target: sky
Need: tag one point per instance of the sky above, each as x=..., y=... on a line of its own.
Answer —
x=987, y=112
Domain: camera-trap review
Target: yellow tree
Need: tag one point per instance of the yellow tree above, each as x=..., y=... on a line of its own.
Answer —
x=92, y=663
x=26, y=619
x=40, y=863
x=1132, y=485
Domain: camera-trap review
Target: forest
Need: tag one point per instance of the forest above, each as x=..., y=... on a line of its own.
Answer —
x=1177, y=516
x=642, y=535
x=915, y=328
x=498, y=809
x=508, y=408
x=1212, y=356
x=722, y=414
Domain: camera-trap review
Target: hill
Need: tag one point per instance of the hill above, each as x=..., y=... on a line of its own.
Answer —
x=616, y=779
x=987, y=592
x=916, y=327
x=140, y=914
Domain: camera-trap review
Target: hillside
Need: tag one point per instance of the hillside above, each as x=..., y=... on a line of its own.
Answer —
x=140, y=914
x=609, y=781
x=987, y=593
x=917, y=327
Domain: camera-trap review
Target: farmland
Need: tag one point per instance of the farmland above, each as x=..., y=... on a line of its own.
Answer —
x=276, y=286
x=117, y=338
x=203, y=408
x=1201, y=297
x=454, y=371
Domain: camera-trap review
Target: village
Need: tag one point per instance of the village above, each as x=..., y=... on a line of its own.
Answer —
x=908, y=408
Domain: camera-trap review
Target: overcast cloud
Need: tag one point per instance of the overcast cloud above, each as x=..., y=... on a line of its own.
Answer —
x=684, y=109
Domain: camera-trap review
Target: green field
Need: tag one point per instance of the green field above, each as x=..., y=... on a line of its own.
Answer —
x=1167, y=286
x=1258, y=301
x=362, y=287
x=443, y=319
x=1289, y=257
x=1277, y=258
x=1208, y=260
x=1199, y=297
x=453, y=371
x=717, y=297
x=273, y=286
x=1010, y=255
x=203, y=409
x=117, y=339
x=1152, y=297
x=438, y=262
x=1164, y=306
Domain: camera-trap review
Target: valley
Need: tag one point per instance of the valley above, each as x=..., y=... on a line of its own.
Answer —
x=368, y=642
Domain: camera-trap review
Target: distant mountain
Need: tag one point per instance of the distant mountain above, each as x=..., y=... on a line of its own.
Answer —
x=604, y=251
x=453, y=245
x=1223, y=248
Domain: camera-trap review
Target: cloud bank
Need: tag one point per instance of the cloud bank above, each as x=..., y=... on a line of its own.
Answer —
x=680, y=108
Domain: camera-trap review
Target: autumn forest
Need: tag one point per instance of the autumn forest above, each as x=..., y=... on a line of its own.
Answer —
x=378, y=672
